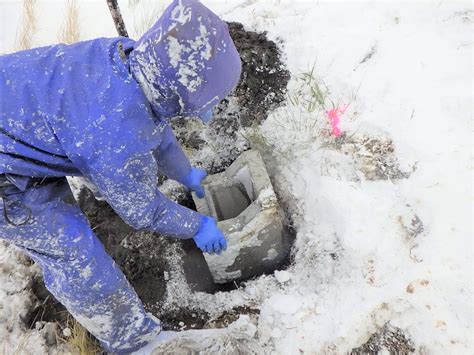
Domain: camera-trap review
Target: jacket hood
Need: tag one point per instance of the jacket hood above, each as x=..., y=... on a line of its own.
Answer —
x=187, y=62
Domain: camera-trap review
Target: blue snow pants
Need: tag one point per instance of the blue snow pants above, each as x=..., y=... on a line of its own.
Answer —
x=76, y=268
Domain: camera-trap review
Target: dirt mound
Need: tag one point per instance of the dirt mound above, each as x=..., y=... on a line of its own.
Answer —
x=264, y=77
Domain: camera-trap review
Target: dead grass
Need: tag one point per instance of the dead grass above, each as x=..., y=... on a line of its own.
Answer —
x=70, y=31
x=293, y=129
x=80, y=340
x=28, y=26
x=313, y=94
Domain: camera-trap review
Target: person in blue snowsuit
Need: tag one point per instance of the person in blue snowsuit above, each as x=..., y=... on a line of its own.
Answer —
x=100, y=109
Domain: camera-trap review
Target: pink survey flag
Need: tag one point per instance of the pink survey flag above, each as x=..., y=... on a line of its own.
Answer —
x=334, y=118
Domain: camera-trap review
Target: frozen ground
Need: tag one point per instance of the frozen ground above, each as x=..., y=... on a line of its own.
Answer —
x=384, y=212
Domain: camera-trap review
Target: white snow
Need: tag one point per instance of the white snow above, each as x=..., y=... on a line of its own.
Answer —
x=243, y=176
x=358, y=262
x=357, y=265
x=282, y=276
x=67, y=332
x=16, y=273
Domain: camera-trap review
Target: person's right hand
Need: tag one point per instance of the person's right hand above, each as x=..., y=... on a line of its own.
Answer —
x=194, y=180
x=209, y=238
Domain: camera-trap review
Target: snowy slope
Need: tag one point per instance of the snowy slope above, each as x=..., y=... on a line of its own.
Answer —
x=416, y=89
x=369, y=249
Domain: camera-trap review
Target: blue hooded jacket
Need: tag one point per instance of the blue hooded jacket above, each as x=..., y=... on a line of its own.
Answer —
x=100, y=109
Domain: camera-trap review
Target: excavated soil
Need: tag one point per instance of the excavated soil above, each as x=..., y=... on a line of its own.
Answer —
x=389, y=340
x=140, y=254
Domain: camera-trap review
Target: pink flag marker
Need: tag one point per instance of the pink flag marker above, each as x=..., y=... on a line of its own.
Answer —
x=334, y=119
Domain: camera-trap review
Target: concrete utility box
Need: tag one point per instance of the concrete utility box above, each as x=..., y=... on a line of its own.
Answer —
x=243, y=202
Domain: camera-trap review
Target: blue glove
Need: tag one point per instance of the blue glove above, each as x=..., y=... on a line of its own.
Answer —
x=209, y=238
x=193, y=181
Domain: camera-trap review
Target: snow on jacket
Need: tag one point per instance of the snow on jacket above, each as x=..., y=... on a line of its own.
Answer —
x=99, y=109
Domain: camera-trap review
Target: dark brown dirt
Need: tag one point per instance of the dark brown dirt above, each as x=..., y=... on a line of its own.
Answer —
x=47, y=309
x=264, y=77
x=390, y=339
x=139, y=254
x=231, y=316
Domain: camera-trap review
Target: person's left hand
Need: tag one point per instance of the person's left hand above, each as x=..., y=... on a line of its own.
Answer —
x=194, y=180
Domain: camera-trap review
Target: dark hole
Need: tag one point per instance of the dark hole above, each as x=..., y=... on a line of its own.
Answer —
x=230, y=201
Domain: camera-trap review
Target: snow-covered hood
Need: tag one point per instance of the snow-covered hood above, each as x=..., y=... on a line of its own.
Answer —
x=187, y=62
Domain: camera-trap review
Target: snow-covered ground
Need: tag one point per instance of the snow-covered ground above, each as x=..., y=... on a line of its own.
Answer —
x=381, y=237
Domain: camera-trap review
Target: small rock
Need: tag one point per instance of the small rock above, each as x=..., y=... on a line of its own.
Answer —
x=39, y=325
x=67, y=332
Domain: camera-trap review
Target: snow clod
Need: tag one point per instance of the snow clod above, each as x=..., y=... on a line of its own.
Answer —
x=282, y=276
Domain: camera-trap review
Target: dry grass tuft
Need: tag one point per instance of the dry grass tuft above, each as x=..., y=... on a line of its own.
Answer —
x=28, y=26
x=295, y=128
x=70, y=30
x=80, y=341
x=313, y=94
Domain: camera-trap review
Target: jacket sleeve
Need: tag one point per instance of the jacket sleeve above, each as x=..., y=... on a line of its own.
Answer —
x=119, y=159
x=170, y=157
x=126, y=174
x=129, y=184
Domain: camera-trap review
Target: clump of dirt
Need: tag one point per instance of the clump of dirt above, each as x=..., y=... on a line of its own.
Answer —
x=389, y=339
x=412, y=224
x=231, y=316
x=184, y=318
x=378, y=161
x=139, y=254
